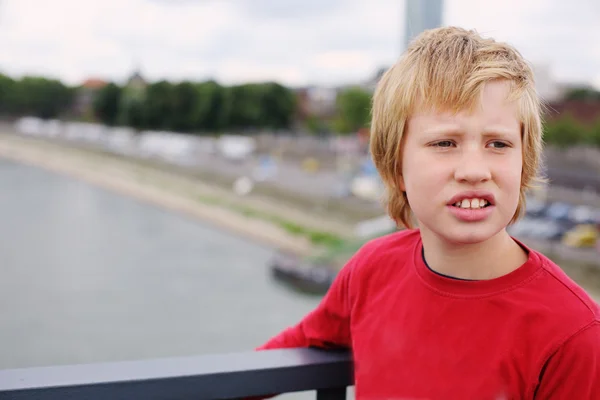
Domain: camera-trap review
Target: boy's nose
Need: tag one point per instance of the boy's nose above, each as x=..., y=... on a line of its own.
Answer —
x=472, y=168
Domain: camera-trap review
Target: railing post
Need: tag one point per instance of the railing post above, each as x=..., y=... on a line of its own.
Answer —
x=331, y=394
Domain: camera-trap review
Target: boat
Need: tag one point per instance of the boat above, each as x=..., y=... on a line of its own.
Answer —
x=301, y=274
x=314, y=274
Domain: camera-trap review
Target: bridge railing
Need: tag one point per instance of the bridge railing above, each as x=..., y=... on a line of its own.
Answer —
x=223, y=376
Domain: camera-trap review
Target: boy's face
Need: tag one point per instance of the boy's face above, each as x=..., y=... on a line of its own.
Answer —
x=462, y=172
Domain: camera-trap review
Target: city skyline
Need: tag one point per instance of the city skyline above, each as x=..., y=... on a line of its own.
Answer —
x=421, y=15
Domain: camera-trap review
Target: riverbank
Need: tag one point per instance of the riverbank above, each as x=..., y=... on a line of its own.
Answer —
x=256, y=218
x=261, y=219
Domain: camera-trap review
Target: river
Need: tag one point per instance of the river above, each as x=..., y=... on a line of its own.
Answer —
x=90, y=276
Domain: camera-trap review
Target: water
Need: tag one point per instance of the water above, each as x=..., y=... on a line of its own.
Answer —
x=90, y=276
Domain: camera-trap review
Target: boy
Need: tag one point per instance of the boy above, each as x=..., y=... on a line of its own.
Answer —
x=457, y=309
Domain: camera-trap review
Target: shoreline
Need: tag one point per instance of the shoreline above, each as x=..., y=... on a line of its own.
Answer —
x=133, y=181
x=205, y=202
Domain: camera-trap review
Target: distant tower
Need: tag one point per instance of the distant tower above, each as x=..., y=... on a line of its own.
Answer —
x=421, y=15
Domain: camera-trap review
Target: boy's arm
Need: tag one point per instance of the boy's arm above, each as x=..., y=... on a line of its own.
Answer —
x=573, y=372
x=328, y=325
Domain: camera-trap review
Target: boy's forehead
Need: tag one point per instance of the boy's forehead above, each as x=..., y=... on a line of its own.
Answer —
x=494, y=92
x=506, y=115
x=493, y=101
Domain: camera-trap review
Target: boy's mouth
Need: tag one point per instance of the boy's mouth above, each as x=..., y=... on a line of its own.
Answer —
x=473, y=204
x=472, y=200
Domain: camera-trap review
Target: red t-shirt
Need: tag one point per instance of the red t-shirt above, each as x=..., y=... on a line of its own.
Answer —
x=416, y=334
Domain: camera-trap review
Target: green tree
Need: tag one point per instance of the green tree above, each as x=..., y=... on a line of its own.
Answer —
x=582, y=94
x=185, y=99
x=212, y=107
x=594, y=134
x=246, y=109
x=221, y=106
x=41, y=97
x=159, y=106
x=354, y=110
x=7, y=93
x=131, y=106
x=106, y=104
x=278, y=105
x=565, y=131
x=316, y=125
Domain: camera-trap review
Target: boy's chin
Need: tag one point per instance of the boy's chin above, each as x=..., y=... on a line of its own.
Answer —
x=468, y=235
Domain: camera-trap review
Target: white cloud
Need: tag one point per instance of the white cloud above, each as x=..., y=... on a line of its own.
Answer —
x=294, y=41
x=561, y=34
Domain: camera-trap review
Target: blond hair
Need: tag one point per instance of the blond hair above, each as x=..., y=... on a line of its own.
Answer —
x=446, y=69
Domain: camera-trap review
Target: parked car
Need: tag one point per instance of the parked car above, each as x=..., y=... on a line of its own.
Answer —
x=583, y=215
x=549, y=230
x=559, y=211
x=581, y=236
x=537, y=228
x=535, y=208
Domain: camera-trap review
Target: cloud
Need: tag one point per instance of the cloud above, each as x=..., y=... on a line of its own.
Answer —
x=275, y=10
x=295, y=41
x=558, y=33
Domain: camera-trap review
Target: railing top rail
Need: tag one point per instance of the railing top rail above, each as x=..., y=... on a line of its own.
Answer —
x=219, y=376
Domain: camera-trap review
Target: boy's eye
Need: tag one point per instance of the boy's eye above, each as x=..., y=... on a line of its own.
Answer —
x=498, y=144
x=443, y=143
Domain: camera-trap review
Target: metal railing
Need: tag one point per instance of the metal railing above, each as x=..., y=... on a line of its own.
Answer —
x=223, y=376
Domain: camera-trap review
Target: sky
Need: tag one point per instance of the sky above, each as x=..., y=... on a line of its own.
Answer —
x=295, y=42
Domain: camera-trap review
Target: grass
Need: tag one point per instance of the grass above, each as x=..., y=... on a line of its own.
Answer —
x=316, y=237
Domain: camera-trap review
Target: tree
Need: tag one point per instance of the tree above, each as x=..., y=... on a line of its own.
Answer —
x=106, y=104
x=185, y=99
x=582, y=94
x=564, y=132
x=220, y=107
x=212, y=108
x=278, y=105
x=246, y=110
x=7, y=89
x=41, y=97
x=132, y=106
x=159, y=106
x=354, y=110
x=595, y=134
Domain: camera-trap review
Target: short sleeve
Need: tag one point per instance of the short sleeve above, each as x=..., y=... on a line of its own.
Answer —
x=573, y=371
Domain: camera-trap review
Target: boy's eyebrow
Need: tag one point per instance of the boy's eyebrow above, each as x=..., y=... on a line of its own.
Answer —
x=500, y=130
x=453, y=130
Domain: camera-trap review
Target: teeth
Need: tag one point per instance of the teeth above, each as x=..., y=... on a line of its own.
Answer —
x=471, y=203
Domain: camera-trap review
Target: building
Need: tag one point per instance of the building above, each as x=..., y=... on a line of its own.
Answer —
x=420, y=16
x=136, y=82
x=86, y=93
x=586, y=112
x=319, y=102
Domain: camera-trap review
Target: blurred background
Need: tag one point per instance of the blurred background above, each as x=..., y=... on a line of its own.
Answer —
x=254, y=116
